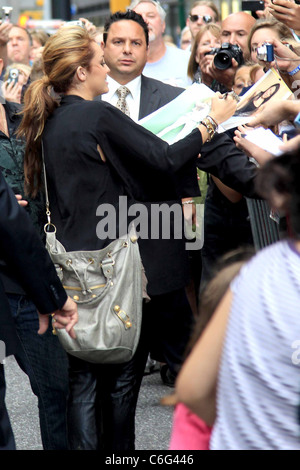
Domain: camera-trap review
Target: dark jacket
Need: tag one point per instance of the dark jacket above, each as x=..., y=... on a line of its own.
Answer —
x=79, y=181
x=12, y=167
x=28, y=261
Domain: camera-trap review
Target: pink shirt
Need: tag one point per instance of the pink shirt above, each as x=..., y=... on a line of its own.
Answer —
x=189, y=432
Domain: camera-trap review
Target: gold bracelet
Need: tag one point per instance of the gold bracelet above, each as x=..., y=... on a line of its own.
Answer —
x=209, y=127
x=214, y=123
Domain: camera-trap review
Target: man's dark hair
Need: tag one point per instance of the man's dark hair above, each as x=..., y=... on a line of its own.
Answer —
x=128, y=15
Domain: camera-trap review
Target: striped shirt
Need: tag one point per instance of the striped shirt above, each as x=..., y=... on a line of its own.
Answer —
x=259, y=380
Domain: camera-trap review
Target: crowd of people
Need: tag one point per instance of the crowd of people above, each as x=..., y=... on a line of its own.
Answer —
x=80, y=93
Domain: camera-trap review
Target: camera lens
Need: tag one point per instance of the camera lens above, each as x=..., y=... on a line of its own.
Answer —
x=222, y=60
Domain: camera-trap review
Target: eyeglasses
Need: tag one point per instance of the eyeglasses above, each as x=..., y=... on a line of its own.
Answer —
x=206, y=18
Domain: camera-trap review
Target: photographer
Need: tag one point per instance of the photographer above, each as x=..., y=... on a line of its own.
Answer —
x=206, y=40
x=235, y=30
x=286, y=62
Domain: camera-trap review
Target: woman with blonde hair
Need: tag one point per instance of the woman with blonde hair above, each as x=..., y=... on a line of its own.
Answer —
x=208, y=38
x=264, y=30
x=93, y=155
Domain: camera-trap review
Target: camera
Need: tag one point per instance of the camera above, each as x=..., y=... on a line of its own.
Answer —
x=225, y=54
x=265, y=52
x=75, y=23
x=13, y=76
x=6, y=14
x=253, y=5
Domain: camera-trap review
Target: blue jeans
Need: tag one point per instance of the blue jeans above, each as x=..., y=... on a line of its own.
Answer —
x=45, y=362
x=7, y=441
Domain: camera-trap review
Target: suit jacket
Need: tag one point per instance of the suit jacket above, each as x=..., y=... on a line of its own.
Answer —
x=27, y=258
x=166, y=261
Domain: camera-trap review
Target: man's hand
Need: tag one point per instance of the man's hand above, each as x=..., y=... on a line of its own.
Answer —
x=65, y=318
x=4, y=30
x=225, y=77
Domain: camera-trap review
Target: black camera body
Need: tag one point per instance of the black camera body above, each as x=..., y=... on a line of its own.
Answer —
x=225, y=54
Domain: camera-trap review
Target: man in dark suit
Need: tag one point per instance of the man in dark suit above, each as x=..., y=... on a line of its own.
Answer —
x=25, y=255
x=166, y=261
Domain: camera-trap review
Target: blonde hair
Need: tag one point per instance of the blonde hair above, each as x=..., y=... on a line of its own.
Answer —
x=64, y=52
x=193, y=65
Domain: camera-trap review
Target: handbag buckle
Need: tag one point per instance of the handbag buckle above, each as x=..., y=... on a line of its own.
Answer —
x=123, y=316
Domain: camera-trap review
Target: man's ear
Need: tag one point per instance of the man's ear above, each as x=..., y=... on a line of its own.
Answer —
x=102, y=45
x=164, y=26
x=1, y=65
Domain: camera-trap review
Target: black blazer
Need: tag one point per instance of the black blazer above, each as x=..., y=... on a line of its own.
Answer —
x=79, y=181
x=166, y=261
x=27, y=258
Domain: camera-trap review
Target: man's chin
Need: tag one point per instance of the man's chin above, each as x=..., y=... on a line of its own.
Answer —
x=152, y=37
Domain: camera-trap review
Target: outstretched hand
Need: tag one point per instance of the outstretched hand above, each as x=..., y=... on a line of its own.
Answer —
x=273, y=112
x=222, y=107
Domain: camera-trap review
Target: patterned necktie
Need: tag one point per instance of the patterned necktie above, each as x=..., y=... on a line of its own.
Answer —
x=122, y=104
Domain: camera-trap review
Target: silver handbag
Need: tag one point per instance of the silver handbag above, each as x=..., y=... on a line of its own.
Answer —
x=107, y=286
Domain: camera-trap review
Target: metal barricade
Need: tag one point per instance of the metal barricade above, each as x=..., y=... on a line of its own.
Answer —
x=265, y=230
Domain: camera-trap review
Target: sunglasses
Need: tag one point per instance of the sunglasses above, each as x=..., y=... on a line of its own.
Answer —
x=206, y=18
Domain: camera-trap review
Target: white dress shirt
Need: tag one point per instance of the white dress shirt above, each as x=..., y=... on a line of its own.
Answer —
x=133, y=98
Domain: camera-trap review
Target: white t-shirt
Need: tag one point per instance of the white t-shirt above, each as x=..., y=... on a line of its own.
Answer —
x=258, y=391
x=171, y=68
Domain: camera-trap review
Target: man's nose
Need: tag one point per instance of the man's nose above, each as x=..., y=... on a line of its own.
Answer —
x=127, y=47
x=233, y=38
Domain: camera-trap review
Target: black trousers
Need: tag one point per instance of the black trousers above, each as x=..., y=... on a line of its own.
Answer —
x=7, y=441
x=169, y=325
x=102, y=402
x=103, y=398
